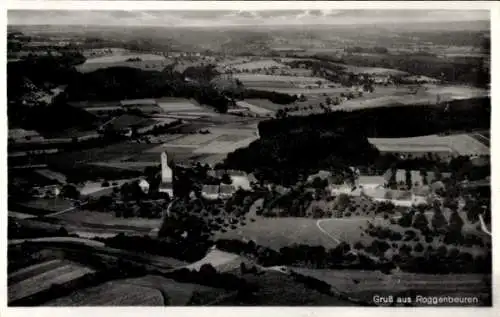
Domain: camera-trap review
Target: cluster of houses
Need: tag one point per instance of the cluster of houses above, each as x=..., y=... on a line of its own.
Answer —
x=401, y=187
x=238, y=180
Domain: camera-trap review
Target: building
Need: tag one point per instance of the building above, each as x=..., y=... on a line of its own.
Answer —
x=400, y=198
x=214, y=192
x=418, y=178
x=166, y=184
x=239, y=179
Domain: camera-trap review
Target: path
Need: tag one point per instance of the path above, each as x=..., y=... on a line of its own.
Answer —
x=65, y=210
x=334, y=238
x=483, y=226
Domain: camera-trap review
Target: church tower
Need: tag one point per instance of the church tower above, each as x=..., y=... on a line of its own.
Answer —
x=166, y=185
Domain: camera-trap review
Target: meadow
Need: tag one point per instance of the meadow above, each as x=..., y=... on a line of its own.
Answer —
x=146, y=62
x=461, y=144
x=39, y=278
x=114, y=293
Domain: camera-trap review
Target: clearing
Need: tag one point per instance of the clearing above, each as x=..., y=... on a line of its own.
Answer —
x=461, y=144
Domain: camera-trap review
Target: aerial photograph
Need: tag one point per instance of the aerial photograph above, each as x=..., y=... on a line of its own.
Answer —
x=249, y=158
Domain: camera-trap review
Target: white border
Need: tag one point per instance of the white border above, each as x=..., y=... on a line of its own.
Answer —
x=246, y=5
x=494, y=8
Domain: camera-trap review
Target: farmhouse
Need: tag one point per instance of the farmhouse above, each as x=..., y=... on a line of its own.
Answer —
x=417, y=178
x=402, y=198
x=214, y=192
x=239, y=179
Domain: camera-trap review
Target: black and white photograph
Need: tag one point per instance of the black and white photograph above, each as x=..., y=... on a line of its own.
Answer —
x=255, y=157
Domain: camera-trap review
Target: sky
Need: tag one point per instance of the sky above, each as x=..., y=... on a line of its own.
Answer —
x=239, y=18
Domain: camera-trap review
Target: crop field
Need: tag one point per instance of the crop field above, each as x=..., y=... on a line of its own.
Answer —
x=483, y=137
x=105, y=218
x=92, y=187
x=218, y=147
x=43, y=277
x=449, y=92
x=178, y=105
x=249, y=78
x=220, y=260
x=134, y=166
x=110, y=152
x=193, y=140
x=262, y=64
x=362, y=285
x=179, y=294
x=44, y=206
x=114, y=293
x=461, y=144
x=369, y=70
x=254, y=108
x=148, y=61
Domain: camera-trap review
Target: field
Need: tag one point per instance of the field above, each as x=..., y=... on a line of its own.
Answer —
x=115, y=293
x=280, y=232
x=250, y=78
x=44, y=206
x=40, y=277
x=262, y=64
x=147, y=62
x=178, y=105
x=108, y=219
x=461, y=144
x=264, y=104
x=178, y=294
x=220, y=260
x=254, y=108
x=363, y=285
x=369, y=70
x=90, y=188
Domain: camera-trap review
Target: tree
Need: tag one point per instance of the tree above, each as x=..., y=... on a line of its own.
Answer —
x=438, y=220
x=70, y=191
x=456, y=222
x=408, y=179
x=226, y=179
x=420, y=222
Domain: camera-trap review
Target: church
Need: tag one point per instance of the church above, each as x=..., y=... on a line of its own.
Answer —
x=166, y=184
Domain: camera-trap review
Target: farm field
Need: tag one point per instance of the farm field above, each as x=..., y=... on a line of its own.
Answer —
x=452, y=92
x=178, y=105
x=108, y=219
x=267, y=63
x=133, y=166
x=363, y=284
x=265, y=103
x=461, y=144
x=370, y=70
x=178, y=294
x=222, y=261
x=110, y=152
x=41, y=206
x=254, y=108
x=249, y=78
x=280, y=232
x=148, y=61
x=114, y=293
x=41, y=276
x=278, y=289
x=91, y=187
